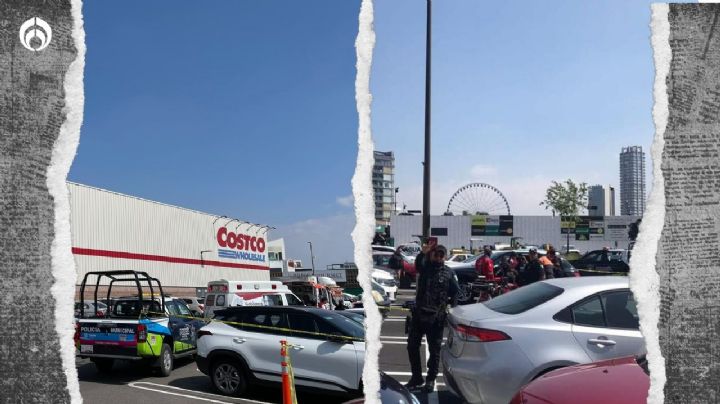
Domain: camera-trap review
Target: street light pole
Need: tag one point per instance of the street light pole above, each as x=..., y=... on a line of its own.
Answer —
x=426, y=162
x=312, y=258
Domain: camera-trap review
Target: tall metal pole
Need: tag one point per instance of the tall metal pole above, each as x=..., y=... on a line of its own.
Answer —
x=426, y=162
x=312, y=258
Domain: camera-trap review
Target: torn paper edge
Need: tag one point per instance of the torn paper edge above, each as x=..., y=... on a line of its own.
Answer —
x=364, y=202
x=644, y=278
x=64, y=149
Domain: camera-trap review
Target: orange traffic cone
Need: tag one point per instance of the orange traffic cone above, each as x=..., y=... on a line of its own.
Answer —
x=288, y=380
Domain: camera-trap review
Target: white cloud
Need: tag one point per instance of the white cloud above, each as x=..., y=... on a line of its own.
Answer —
x=346, y=201
x=330, y=237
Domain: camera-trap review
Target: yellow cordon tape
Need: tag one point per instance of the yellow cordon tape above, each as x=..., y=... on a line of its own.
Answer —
x=268, y=327
x=603, y=272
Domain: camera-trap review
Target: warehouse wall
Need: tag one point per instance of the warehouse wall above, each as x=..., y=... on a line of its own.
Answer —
x=111, y=231
x=533, y=229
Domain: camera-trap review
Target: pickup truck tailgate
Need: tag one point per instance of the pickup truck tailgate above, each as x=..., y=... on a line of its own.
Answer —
x=108, y=337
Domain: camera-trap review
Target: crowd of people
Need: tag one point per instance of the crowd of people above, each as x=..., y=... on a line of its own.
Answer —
x=518, y=268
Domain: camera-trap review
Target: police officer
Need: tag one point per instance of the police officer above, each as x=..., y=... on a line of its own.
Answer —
x=436, y=287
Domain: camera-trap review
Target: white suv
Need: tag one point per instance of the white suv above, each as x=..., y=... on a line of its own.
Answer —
x=235, y=355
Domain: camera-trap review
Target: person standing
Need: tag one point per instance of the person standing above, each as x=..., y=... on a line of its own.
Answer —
x=534, y=271
x=484, y=265
x=436, y=288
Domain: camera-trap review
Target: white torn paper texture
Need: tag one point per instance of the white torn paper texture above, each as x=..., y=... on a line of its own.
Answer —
x=644, y=280
x=364, y=204
x=63, y=263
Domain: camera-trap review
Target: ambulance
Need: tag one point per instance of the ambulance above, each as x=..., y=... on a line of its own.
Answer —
x=223, y=293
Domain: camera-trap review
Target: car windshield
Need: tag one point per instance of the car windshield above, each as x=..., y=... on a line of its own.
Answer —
x=472, y=259
x=524, y=298
x=347, y=325
x=385, y=282
x=381, y=260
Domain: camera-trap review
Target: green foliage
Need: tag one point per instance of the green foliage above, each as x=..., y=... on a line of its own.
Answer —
x=566, y=199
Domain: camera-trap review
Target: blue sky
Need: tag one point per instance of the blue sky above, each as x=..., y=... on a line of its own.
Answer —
x=244, y=108
x=247, y=108
x=524, y=92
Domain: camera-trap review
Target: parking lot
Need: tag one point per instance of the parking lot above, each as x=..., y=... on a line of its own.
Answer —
x=187, y=384
x=131, y=383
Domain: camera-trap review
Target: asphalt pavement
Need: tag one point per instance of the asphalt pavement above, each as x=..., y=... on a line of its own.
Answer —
x=132, y=383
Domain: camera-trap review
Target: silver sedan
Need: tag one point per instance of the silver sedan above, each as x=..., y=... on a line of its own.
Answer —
x=495, y=348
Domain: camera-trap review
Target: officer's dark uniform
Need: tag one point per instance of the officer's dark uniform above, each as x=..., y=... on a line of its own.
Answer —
x=436, y=285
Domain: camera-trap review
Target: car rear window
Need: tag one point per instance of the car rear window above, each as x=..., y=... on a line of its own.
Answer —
x=524, y=298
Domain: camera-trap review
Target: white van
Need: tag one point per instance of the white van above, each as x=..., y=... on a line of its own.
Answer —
x=387, y=281
x=223, y=293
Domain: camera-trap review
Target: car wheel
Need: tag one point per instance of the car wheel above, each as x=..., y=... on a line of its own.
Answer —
x=166, y=360
x=228, y=377
x=103, y=365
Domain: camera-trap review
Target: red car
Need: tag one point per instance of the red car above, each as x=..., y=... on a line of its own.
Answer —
x=617, y=381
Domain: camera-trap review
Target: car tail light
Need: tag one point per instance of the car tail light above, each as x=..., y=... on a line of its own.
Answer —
x=469, y=333
x=201, y=306
x=100, y=314
x=274, y=286
x=77, y=332
x=239, y=287
x=141, y=333
x=203, y=332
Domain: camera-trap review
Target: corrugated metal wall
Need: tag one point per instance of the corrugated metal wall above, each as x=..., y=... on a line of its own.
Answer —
x=533, y=230
x=107, y=226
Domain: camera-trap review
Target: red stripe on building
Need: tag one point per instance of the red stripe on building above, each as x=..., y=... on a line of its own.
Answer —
x=162, y=258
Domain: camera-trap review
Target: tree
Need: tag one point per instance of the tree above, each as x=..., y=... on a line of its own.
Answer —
x=566, y=199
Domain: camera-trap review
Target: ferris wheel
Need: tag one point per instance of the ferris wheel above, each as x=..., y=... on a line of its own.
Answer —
x=478, y=198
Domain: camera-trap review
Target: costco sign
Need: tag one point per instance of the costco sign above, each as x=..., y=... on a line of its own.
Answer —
x=240, y=246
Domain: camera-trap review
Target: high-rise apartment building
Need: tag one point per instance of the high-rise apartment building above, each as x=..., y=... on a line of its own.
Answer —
x=601, y=200
x=383, y=176
x=632, y=181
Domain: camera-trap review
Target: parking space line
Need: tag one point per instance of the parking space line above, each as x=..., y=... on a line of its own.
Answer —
x=135, y=385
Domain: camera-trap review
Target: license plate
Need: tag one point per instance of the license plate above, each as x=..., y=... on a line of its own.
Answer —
x=86, y=348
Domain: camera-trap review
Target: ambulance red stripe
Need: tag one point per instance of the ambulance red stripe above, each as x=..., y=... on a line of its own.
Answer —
x=162, y=258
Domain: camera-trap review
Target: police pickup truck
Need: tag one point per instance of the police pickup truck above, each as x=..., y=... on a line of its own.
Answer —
x=149, y=327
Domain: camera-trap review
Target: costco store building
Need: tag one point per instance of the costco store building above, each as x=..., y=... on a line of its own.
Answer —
x=182, y=248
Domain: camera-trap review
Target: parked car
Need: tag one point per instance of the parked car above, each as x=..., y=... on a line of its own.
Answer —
x=391, y=392
x=90, y=310
x=457, y=259
x=195, y=304
x=235, y=356
x=151, y=328
x=496, y=347
x=629, y=378
x=614, y=260
x=387, y=282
